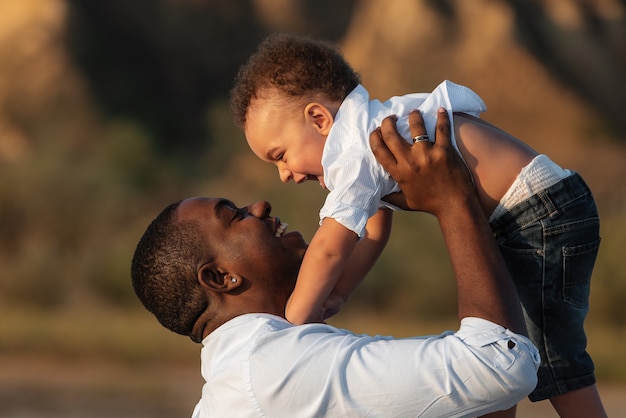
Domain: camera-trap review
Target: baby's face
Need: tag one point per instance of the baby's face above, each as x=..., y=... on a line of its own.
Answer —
x=287, y=138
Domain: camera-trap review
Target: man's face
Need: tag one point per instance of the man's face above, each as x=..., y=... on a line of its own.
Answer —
x=282, y=136
x=247, y=241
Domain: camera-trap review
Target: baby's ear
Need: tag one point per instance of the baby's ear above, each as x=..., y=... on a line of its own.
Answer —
x=320, y=116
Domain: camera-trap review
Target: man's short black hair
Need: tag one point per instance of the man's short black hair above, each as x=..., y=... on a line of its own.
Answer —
x=164, y=272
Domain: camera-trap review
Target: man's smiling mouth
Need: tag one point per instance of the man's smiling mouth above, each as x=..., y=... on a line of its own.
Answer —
x=280, y=230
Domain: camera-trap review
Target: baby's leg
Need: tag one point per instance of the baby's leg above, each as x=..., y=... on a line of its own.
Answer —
x=550, y=242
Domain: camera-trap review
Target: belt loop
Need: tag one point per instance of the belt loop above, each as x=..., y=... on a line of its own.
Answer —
x=547, y=202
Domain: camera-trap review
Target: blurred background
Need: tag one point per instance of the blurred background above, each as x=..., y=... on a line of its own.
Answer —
x=110, y=110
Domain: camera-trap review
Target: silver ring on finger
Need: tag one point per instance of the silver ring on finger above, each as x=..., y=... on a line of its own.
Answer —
x=420, y=138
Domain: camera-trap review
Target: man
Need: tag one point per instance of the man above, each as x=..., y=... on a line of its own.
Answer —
x=222, y=275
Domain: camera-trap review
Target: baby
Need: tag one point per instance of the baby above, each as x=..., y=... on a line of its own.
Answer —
x=302, y=107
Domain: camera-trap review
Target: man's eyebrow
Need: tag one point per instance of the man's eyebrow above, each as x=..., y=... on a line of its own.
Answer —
x=219, y=205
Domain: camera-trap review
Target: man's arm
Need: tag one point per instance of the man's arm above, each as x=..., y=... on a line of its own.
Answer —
x=434, y=179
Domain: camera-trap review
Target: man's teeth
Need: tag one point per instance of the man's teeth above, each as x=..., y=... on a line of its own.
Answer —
x=281, y=229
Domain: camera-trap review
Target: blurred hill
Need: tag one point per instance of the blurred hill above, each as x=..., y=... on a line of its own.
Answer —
x=163, y=63
x=111, y=109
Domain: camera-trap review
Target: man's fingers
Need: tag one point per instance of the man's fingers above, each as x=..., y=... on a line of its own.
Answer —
x=416, y=124
x=396, y=144
x=381, y=152
x=442, y=130
x=398, y=199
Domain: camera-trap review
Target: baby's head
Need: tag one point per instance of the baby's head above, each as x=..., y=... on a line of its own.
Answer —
x=285, y=99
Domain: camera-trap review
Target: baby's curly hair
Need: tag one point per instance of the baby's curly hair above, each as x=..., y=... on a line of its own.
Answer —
x=295, y=66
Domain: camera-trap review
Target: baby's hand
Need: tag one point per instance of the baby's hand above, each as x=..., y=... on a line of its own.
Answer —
x=332, y=305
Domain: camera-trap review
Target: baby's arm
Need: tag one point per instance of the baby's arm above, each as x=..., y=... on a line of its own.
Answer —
x=324, y=261
x=361, y=261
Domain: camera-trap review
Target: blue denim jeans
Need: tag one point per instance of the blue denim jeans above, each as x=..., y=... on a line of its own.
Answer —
x=550, y=242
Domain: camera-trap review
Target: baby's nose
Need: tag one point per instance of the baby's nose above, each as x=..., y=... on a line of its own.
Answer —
x=285, y=175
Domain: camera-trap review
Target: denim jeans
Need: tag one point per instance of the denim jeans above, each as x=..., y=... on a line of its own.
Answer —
x=550, y=242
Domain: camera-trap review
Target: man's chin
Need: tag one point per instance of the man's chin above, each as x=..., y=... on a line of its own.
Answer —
x=294, y=241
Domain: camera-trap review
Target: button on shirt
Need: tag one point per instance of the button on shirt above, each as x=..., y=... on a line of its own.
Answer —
x=260, y=365
x=355, y=180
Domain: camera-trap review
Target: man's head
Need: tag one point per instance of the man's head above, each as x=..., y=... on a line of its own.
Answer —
x=285, y=99
x=203, y=261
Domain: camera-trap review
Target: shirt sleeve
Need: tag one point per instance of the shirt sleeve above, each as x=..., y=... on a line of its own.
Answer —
x=354, y=179
x=317, y=370
x=354, y=199
x=454, y=98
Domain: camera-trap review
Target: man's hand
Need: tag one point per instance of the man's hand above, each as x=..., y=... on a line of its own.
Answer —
x=332, y=306
x=435, y=180
x=430, y=174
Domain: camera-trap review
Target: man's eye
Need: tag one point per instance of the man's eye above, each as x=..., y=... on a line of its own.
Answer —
x=237, y=214
x=280, y=157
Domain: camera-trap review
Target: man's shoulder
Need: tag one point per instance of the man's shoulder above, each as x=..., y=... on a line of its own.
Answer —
x=294, y=341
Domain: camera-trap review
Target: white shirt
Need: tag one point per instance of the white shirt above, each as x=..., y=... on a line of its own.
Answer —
x=355, y=180
x=260, y=365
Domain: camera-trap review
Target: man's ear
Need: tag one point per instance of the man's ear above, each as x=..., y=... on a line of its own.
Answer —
x=320, y=116
x=216, y=281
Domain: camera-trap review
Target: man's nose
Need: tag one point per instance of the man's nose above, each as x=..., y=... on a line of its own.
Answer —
x=260, y=209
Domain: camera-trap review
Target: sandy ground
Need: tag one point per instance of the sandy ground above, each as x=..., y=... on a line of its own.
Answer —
x=79, y=388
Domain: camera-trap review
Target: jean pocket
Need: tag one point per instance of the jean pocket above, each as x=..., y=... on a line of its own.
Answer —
x=578, y=262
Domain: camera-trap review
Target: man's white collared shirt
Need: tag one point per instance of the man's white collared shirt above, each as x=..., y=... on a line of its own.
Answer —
x=260, y=365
